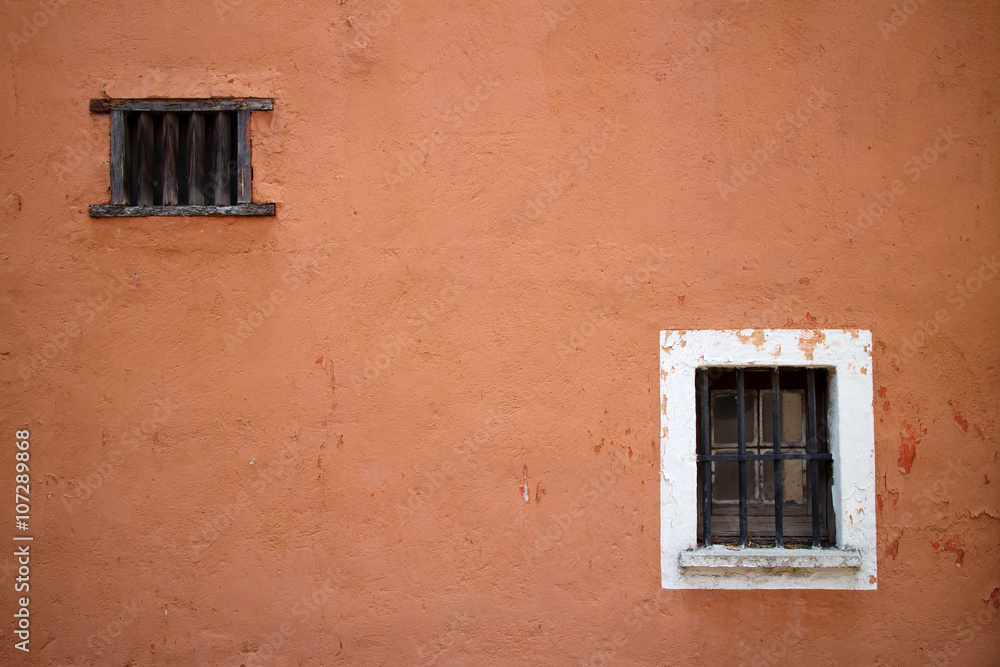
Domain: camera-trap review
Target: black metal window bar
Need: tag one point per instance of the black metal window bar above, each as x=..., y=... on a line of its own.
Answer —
x=180, y=157
x=802, y=512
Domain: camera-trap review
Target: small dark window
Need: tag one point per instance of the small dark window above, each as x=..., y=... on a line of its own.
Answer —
x=180, y=157
x=755, y=489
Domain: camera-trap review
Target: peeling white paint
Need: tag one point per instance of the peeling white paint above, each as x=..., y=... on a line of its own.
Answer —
x=847, y=354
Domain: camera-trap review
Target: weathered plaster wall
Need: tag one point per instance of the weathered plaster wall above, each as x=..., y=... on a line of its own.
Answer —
x=304, y=440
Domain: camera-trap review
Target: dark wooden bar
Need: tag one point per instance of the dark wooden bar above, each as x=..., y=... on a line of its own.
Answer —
x=171, y=104
x=779, y=495
x=144, y=159
x=813, y=448
x=741, y=439
x=243, y=189
x=706, y=466
x=120, y=211
x=171, y=141
x=220, y=157
x=119, y=193
x=196, y=159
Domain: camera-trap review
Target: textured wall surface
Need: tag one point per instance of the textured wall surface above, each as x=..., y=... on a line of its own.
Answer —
x=413, y=419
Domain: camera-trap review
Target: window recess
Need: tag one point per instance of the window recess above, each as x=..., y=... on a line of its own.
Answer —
x=756, y=489
x=180, y=157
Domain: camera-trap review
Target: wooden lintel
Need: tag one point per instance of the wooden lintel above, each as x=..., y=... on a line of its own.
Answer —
x=100, y=105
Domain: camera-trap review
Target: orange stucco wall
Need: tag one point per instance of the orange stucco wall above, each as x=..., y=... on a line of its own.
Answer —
x=303, y=440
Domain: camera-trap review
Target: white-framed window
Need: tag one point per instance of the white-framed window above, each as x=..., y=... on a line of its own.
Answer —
x=796, y=511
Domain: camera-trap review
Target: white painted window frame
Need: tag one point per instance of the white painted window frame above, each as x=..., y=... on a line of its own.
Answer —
x=847, y=355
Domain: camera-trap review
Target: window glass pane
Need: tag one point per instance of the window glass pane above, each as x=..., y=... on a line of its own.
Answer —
x=767, y=414
x=791, y=417
x=724, y=418
x=767, y=479
x=726, y=481
x=791, y=480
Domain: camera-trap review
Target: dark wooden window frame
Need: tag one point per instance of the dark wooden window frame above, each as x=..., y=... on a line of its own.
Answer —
x=120, y=205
